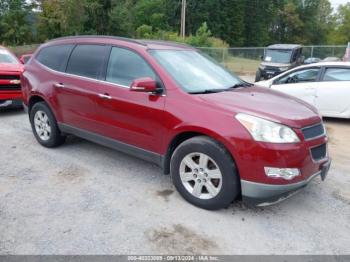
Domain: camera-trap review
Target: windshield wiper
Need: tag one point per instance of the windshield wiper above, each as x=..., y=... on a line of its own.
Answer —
x=207, y=91
x=242, y=84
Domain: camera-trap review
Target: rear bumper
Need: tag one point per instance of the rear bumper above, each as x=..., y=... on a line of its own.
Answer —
x=258, y=194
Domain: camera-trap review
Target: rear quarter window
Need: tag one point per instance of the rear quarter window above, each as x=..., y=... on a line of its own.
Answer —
x=55, y=57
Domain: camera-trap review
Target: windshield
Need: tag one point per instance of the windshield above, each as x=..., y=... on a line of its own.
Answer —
x=7, y=57
x=195, y=72
x=278, y=56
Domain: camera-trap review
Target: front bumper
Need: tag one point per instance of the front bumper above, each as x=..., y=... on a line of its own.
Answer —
x=259, y=194
x=10, y=103
x=269, y=73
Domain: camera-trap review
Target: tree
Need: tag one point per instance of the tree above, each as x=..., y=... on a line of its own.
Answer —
x=14, y=22
x=341, y=33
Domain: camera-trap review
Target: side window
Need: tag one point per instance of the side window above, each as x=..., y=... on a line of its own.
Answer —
x=125, y=66
x=55, y=57
x=300, y=76
x=87, y=60
x=337, y=74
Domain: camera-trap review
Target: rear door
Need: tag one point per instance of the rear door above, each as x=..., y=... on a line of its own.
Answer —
x=78, y=89
x=333, y=92
x=135, y=118
x=300, y=83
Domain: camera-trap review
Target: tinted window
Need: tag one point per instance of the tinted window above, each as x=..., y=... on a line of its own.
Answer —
x=87, y=60
x=301, y=76
x=55, y=57
x=125, y=66
x=337, y=74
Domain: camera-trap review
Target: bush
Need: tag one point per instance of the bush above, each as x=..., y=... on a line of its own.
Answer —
x=202, y=38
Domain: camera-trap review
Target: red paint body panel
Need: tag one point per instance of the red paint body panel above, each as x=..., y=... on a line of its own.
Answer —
x=13, y=70
x=151, y=122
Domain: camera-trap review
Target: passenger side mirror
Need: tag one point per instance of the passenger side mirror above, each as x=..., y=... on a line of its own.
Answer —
x=145, y=84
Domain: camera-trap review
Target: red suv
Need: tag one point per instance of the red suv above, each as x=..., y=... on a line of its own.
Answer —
x=219, y=137
x=10, y=84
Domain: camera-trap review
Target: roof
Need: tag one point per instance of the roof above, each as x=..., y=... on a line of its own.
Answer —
x=284, y=46
x=323, y=64
x=151, y=44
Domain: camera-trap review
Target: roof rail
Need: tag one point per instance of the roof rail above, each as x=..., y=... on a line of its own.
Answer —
x=101, y=36
x=163, y=42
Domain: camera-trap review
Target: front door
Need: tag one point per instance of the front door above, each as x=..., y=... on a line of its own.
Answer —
x=134, y=118
x=299, y=83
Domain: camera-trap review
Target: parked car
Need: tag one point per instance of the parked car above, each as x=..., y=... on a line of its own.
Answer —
x=331, y=59
x=10, y=84
x=324, y=85
x=217, y=135
x=25, y=58
x=278, y=59
x=312, y=60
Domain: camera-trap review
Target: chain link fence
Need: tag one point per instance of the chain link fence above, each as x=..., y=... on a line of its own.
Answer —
x=241, y=60
x=246, y=60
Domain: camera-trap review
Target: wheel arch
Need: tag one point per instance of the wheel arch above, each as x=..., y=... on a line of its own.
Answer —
x=188, y=134
x=33, y=100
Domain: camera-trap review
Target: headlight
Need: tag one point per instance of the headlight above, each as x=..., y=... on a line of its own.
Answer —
x=283, y=68
x=267, y=131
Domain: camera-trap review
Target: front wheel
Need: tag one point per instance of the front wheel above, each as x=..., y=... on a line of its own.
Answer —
x=44, y=126
x=258, y=76
x=204, y=173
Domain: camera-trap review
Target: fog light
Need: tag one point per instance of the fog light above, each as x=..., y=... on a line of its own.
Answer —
x=285, y=173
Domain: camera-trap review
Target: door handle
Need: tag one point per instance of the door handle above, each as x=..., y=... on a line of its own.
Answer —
x=58, y=85
x=105, y=96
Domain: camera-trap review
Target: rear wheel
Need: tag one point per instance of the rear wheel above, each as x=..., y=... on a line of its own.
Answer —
x=44, y=126
x=204, y=173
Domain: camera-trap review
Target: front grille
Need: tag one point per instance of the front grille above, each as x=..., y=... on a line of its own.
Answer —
x=9, y=77
x=313, y=131
x=319, y=152
x=272, y=68
x=10, y=87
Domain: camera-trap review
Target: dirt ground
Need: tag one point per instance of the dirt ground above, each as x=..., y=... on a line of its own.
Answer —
x=83, y=198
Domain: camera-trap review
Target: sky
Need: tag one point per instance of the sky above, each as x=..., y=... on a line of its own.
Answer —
x=336, y=3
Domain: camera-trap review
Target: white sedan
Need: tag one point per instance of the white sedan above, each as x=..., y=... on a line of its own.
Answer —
x=325, y=85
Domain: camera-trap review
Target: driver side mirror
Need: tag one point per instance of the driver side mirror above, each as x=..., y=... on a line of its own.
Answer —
x=145, y=84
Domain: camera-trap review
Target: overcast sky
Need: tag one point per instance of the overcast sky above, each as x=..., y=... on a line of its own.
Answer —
x=336, y=3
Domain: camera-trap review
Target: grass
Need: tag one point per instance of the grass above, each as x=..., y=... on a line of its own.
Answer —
x=25, y=49
x=242, y=66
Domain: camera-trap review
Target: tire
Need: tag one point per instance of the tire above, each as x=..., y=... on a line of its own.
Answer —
x=198, y=148
x=47, y=132
x=258, y=76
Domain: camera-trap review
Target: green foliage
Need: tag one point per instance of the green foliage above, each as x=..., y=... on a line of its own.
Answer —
x=341, y=20
x=208, y=22
x=14, y=28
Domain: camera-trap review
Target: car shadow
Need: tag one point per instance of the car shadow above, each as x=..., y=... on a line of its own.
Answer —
x=11, y=111
x=333, y=120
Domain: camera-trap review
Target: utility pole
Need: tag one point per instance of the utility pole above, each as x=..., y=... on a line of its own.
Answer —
x=183, y=19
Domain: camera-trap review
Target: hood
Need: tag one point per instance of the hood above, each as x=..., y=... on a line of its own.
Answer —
x=264, y=83
x=265, y=103
x=11, y=67
x=275, y=64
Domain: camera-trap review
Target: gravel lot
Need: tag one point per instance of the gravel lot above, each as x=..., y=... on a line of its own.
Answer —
x=83, y=198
